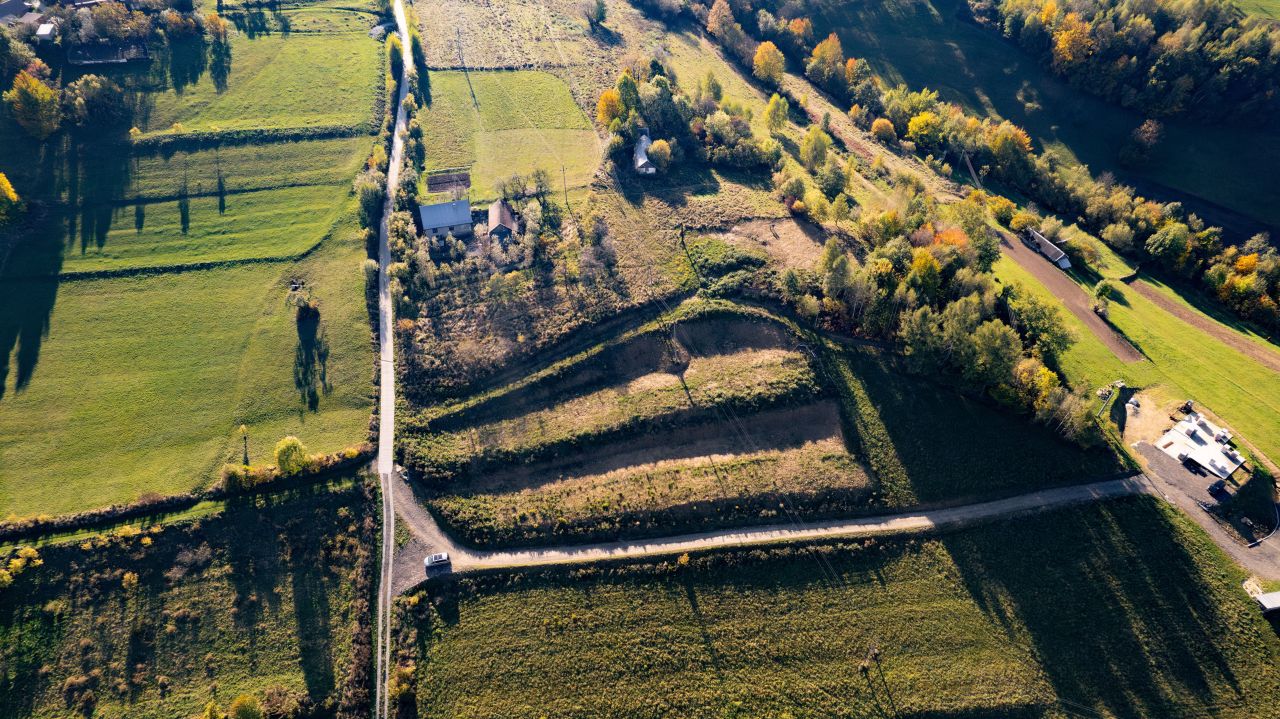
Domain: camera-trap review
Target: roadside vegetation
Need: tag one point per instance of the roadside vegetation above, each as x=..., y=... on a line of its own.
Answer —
x=974, y=622
x=266, y=603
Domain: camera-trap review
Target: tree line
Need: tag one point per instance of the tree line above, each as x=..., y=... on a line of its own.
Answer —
x=1205, y=59
x=1246, y=277
x=32, y=90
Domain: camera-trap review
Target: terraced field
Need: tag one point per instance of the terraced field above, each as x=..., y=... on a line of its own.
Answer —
x=724, y=417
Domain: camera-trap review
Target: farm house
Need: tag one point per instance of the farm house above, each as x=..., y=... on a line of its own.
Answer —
x=502, y=221
x=446, y=217
x=1045, y=246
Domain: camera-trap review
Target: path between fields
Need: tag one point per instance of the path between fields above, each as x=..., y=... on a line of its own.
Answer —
x=1269, y=358
x=1075, y=299
x=385, y=465
x=428, y=537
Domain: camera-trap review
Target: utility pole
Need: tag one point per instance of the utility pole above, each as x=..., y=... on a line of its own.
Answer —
x=564, y=178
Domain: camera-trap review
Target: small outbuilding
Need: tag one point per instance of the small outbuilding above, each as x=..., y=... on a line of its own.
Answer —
x=46, y=33
x=1052, y=252
x=446, y=218
x=1269, y=602
x=644, y=165
x=502, y=221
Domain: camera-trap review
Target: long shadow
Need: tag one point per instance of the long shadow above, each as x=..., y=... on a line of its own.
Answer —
x=1117, y=611
x=71, y=184
x=311, y=360
x=311, y=609
x=187, y=60
x=951, y=447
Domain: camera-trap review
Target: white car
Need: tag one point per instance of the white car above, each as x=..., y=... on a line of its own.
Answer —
x=435, y=560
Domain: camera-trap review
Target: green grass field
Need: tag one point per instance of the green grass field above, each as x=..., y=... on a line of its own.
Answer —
x=1189, y=362
x=141, y=382
x=275, y=81
x=518, y=122
x=1145, y=618
x=927, y=43
x=274, y=224
x=1270, y=8
x=928, y=444
x=255, y=598
x=115, y=388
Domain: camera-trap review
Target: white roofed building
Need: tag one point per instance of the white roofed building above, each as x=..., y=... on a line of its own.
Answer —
x=1198, y=440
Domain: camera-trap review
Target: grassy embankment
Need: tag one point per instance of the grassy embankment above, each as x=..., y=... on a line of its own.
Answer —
x=1146, y=618
x=629, y=442
x=156, y=624
x=116, y=387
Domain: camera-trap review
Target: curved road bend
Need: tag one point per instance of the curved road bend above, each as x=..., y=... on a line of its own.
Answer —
x=429, y=537
x=385, y=465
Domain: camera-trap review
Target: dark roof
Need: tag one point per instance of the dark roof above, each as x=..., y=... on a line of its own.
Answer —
x=1047, y=248
x=501, y=215
x=107, y=53
x=445, y=214
x=11, y=10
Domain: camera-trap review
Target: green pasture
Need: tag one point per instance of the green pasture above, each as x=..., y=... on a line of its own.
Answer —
x=514, y=122
x=274, y=81
x=1237, y=388
x=930, y=43
x=239, y=168
x=1270, y=8
x=254, y=598
x=1189, y=362
x=137, y=384
x=1123, y=609
x=273, y=224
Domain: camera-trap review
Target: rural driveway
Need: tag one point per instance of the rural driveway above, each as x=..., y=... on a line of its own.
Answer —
x=1262, y=560
x=1267, y=356
x=428, y=536
x=1075, y=299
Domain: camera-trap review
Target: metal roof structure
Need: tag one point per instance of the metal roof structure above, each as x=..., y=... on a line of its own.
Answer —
x=445, y=214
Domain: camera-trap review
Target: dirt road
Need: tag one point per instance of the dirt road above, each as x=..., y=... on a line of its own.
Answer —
x=384, y=465
x=1269, y=358
x=1075, y=299
x=428, y=537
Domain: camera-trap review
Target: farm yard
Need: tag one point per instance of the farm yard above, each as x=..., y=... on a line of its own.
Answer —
x=262, y=600
x=974, y=623
x=146, y=307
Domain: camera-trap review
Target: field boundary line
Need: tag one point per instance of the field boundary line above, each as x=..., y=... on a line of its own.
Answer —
x=82, y=275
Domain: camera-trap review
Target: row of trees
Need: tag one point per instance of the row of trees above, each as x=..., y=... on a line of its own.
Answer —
x=1202, y=58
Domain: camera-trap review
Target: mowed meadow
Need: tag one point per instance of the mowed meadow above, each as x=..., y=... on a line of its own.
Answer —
x=145, y=302
x=1145, y=618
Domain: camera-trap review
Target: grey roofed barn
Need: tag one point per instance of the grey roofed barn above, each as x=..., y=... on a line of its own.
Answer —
x=446, y=217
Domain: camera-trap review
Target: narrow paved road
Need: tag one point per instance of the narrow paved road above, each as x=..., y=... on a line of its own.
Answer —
x=385, y=464
x=1075, y=299
x=429, y=537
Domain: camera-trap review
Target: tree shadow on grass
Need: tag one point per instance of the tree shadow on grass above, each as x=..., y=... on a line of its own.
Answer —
x=311, y=361
x=312, y=611
x=1117, y=612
